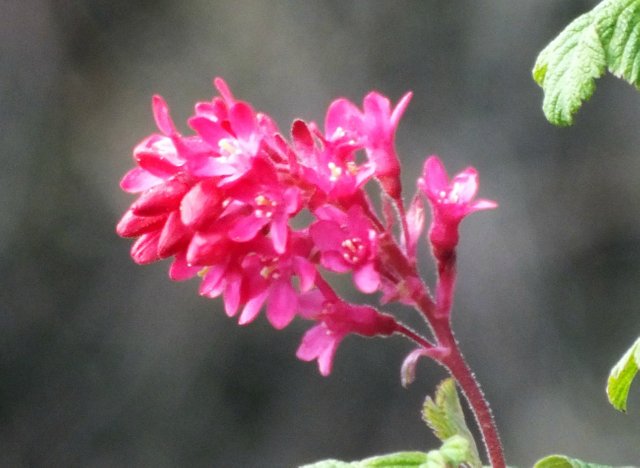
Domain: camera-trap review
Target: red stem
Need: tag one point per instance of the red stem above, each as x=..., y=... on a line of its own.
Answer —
x=455, y=362
x=406, y=331
x=438, y=317
x=437, y=314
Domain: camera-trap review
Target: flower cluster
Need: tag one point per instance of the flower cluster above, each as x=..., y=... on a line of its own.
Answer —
x=228, y=203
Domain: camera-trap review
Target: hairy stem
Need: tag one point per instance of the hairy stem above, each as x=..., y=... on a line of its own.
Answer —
x=460, y=370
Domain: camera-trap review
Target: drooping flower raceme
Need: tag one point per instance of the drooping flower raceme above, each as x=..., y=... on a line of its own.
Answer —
x=262, y=218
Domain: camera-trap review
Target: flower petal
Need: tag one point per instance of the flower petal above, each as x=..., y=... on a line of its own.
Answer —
x=212, y=284
x=464, y=186
x=252, y=308
x=138, y=180
x=162, y=117
x=243, y=120
x=321, y=344
x=400, y=108
x=482, y=204
x=282, y=304
x=156, y=164
x=301, y=135
x=175, y=236
x=132, y=226
x=210, y=131
x=201, y=205
x=180, y=270
x=310, y=304
x=279, y=232
x=161, y=198
x=326, y=235
x=434, y=177
x=231, y=294
x=366, y=278
x=342, y=116
x=223, y=89
x=246, y=228
x=145, y=249
x=306, y=272
x=334, y=261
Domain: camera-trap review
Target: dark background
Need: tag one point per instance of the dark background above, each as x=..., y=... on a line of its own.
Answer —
x=104, y=363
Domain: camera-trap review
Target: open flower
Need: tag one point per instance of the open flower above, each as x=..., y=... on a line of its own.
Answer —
x=328, y=166
x=450, y=201
x=337, y=319
x=270, y=280
x=374, y=129
x=347, y=242
x=263, y=201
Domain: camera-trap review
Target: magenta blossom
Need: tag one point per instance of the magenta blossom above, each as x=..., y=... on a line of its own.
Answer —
x=347, y=242
x=329, y=167
x=264, y=201
x=450, y=201
x=336, y=319
x=270, y=279
x=233, y=134
x=374, y=129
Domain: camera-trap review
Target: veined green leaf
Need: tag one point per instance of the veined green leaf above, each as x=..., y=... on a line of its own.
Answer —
x=621, y=376
x=445, y=417
x=391, y=460
x=329, y=464
x=605, y=38
x=561, y=461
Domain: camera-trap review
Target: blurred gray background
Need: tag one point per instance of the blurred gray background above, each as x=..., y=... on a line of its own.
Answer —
x=105, y=363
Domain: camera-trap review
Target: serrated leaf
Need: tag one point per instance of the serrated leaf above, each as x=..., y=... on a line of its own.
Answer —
x=605, y=38
x=621, y=377
x=561, y=461
x=445, y=417
x=395, y=460
x=455, y=451
x=391, y=460
x=329, y=464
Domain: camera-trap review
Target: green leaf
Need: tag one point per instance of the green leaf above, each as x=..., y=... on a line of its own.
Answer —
x=621, y=376
x=445, y=417
x=395, y=460
x=455, y=451
x=391, y=460
x=605, y=38
x=329, y=464
x=561, y=461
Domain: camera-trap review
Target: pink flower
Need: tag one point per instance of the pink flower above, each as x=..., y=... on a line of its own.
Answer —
x=263, y=202
x=270, y=280
x=162, y=183
x=235, y=135
x=347, y=242
x=157, y=156
x=252, y=274
x=373, y=128
x=450, y=201
x=337, y=319
x=329, y=167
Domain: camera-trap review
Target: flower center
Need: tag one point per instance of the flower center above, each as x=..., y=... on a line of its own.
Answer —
x=338, y=133
x=229, y=147
x=264, y=206
x=270, y=270
x=335, y=170
x=353, y=250
x=452, y=196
